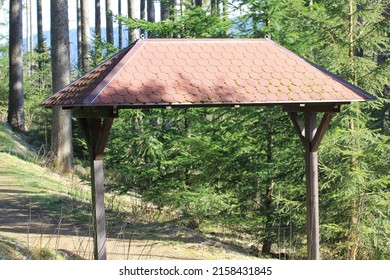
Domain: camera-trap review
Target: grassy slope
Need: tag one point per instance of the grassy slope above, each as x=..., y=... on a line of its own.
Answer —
x=44, y=187
x=68, y=197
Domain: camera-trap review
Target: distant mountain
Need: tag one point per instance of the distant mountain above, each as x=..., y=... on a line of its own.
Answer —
x=73, y=41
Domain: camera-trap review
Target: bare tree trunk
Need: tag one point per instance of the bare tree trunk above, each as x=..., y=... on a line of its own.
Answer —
x=175, y=12
x=120, y=25
x=354, y=217
x=143, y=9
x=268, y=208
x=151, y=11
x=165, y=9
x=109, y=23
x=98, y=29
x=85, y=47
x=40, y=32
x=142, y=14
x=16, y=98
x=150, y=15
x=213, y=7
x=134, y=12
x=30, y=22
x=309, y=2
x=62, y=121
x=79, y=38
x=28, y=47
x=41, y=40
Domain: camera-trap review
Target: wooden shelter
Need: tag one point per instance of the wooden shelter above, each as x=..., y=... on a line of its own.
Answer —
x=181, y=73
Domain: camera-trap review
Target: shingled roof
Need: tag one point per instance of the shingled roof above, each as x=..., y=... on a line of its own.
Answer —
x=190, y=72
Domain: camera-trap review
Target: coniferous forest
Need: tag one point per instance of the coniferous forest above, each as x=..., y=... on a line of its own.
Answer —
x=234, y=170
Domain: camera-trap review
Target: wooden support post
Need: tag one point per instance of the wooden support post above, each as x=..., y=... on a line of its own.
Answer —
x=312, y=201
x=96, y=131
x=311, y=137
x=98, y=213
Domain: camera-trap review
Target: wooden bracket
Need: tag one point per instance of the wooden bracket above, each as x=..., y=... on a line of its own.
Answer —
x=311, y=144
x=95, y=112
x=96, y=131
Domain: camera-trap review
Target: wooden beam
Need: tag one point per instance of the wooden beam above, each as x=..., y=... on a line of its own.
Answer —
x=312, y=107
x=95, y=112
x=96, y=132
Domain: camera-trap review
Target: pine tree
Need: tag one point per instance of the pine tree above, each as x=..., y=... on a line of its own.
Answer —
x=62, y=122
x=16, y=98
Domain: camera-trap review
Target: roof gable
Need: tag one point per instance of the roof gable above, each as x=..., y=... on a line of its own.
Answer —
x=184, y=72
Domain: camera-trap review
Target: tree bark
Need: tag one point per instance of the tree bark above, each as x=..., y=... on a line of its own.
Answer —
x=198, y=3
x=134, y=12
x=165, y=9
x=213, y=7
x=41, y=39
x=79, y=38
x=143, y=9
x=268, y=209
x=120, y=25
x=151, y=11
x=109, y=23
x=98, y=29
x=85, y=47
x=16, y=98
x=62, y=122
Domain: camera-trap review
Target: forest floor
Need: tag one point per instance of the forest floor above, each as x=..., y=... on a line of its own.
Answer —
x=41, y=211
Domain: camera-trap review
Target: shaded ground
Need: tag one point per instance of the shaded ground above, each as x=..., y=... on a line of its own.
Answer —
x=63, y=224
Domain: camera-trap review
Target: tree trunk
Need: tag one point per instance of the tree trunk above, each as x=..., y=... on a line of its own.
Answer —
x=30, y=22
x=143, y=9
x=41, y=39
x=85, y=47
x=151, y=15
x=142, y=14
x=174, y=13
x=109, y=23
x=62, y=122
x=120, y=25
x=79, y=38
x=98, y=28
x=151, y=11
x=267, y=241
x=16, y=98
x=213, y=7
x=268, y=209
x=198, y=3
x=134, y=12
x=165, y=9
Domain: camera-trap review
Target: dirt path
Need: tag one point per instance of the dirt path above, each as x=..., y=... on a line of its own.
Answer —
x=25, y=221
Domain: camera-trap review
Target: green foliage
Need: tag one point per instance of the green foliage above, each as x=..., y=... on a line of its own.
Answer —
x=243, y=169
x=101, y=51
x=195, y=22
x=4, y=78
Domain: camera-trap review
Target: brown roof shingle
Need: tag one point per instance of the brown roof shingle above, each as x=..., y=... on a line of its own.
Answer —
x=156, y=72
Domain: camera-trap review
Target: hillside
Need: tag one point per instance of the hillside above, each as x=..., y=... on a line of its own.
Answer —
x=47, y=213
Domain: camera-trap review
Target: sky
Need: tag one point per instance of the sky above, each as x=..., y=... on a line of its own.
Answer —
x=46, y=14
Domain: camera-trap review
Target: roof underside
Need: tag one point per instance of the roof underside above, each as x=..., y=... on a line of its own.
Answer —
x=205, y=72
